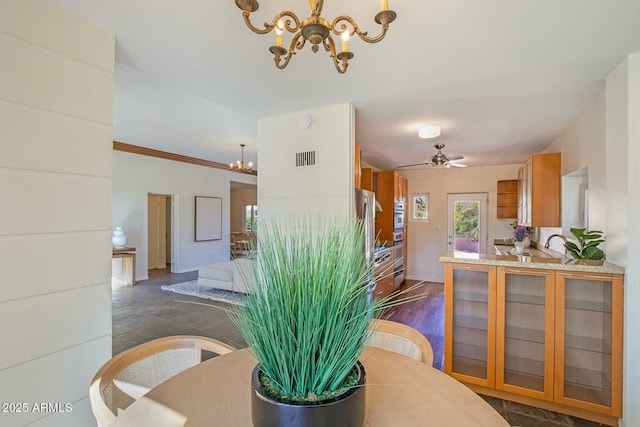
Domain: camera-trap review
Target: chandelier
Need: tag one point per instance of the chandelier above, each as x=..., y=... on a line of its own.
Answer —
x=239, y=166
x=316, y=30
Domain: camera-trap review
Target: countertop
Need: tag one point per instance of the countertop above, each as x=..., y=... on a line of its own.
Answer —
x=533, y=261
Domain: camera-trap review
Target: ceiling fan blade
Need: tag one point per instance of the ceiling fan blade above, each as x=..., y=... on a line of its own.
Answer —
x=415, y=164
x=456, y=165
x=451, y=158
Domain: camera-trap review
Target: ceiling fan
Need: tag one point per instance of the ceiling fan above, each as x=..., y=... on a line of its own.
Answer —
x=440, y=160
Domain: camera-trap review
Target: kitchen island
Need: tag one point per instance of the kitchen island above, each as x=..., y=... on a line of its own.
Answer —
x=538, y=330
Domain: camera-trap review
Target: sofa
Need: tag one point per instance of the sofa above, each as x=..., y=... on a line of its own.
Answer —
x=236, y=275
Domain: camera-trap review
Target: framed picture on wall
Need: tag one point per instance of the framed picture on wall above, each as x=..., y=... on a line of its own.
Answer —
x=208, y=218
x=419, y=207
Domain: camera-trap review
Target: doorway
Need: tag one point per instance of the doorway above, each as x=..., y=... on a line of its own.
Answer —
x=159, y=234
x=467, y=223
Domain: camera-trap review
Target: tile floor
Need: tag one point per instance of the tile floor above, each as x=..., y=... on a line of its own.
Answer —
x=145, y=312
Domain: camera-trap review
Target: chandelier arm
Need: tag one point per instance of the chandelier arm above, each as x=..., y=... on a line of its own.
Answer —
x=327, y=46
x=269, y=27
x=299, y=42
x=296, y=43
x=339, y=26
x=342, y=63
x=330, y=45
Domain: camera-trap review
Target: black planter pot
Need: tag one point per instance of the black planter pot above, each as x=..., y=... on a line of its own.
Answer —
x=344, y=411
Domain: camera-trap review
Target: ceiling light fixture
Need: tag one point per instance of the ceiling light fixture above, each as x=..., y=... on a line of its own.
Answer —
x=239, y=166
x=316, y=30
x=429, y=131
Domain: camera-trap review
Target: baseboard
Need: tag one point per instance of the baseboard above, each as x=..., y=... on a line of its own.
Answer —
x=426, y=279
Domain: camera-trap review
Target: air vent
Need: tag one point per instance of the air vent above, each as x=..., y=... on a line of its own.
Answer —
x=307, y=158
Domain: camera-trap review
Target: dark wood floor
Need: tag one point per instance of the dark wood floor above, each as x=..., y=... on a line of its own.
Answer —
x=426, y=315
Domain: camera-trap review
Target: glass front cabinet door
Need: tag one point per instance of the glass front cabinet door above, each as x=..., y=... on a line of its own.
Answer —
x=589, y=341
x=470, y=295
x=524, y=331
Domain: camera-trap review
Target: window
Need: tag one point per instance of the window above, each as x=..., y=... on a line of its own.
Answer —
x=250, y=217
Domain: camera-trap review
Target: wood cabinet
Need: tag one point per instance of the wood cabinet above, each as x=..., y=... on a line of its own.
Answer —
x=357, y=167
x=524, y=194
x=547, y=338
x=369, y=179
x=589, y=341
x=389, y=190
x=405, y=197
x=525, y=331
x=470, y=323
x=539, y=191
x=507, y=199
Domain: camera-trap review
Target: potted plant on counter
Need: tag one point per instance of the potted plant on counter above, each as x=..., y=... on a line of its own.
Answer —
x=587, y=247
x=520, y=233
x=307, y=322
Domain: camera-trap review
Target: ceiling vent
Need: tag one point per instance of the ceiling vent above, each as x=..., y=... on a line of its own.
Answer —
x=307, y=158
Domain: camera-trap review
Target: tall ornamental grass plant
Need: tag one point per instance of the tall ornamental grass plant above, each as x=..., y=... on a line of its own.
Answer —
x=307, y=316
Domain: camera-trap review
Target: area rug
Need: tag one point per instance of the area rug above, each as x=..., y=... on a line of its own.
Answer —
x=192, y=288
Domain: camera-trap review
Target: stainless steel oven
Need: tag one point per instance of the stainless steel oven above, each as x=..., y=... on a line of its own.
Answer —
x=398, y=216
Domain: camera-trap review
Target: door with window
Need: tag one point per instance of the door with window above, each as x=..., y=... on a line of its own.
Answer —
x=467, y=224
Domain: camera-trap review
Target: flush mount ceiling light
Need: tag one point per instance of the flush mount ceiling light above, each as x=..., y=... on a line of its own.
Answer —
x=429, y=131
x=239, y=166
x=316, y=30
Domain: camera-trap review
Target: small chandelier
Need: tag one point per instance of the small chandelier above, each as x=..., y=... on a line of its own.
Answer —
x=239, y=166
x=316, y=30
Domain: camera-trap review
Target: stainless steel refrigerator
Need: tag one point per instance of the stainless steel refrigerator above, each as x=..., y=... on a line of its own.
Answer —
x=365, y=209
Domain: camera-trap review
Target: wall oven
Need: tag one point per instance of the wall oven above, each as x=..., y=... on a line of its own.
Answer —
x=398, y=216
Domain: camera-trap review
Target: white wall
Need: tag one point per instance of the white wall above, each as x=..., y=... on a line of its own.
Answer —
x=428, y=240
x=623, y=229
x=326, y=187
x=56, y=86
x=583, y=144
x=134, y=176
x=606, y=138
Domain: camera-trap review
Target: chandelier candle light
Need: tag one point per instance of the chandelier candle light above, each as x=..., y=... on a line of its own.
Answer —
x=239, y=166
x=316, y=30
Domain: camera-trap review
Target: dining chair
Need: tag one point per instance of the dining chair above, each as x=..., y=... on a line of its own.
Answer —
x=234, y=237
x=403, y=339
x=129, y=375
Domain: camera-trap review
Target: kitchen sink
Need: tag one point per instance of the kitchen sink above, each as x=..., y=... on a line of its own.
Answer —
x=510, y=250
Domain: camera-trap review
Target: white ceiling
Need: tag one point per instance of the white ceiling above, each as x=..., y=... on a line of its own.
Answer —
x=501, y=77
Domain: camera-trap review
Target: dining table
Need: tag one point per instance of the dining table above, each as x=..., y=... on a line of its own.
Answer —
x=401, y=392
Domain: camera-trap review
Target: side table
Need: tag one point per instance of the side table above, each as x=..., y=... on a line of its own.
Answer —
x=128, y=256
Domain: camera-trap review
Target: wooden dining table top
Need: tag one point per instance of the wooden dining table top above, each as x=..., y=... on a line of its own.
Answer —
x=401, y=392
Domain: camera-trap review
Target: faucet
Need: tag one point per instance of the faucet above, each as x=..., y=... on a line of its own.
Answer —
x=546, y=245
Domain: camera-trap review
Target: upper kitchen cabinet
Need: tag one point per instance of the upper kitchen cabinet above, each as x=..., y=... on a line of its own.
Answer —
x=369, y=179
x=507, y=203
x=390, y=188
x=539, y=191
